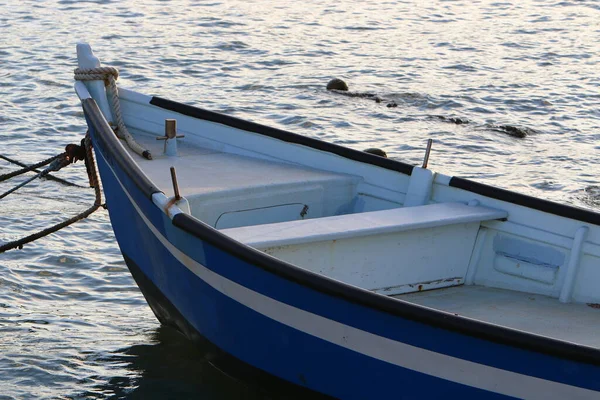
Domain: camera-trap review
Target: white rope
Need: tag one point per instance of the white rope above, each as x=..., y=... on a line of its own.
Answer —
x=109, y=75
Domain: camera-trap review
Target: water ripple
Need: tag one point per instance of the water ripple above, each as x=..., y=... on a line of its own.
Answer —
x=72, y=321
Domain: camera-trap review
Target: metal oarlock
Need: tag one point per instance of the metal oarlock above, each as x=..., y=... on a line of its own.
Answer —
x=175, y=185
x=427, y=151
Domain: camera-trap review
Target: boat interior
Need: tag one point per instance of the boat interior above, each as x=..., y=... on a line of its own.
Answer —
x=411, y=237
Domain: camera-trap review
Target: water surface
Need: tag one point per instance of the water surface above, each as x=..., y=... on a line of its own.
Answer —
x=72, y=322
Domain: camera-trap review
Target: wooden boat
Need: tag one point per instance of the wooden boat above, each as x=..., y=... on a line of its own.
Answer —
x=350, y=275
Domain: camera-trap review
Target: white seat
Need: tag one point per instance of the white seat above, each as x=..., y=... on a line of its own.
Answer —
x=361, y=224
x=389, y=252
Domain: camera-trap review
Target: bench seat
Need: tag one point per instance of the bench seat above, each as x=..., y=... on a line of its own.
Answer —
x=361, y=224
x=390, y=252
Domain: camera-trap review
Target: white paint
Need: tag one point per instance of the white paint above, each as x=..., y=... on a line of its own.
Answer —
x=263, y=204
x=207, y=169
x=529, y=232
x=218, y=183
x=538, y=314
x=390, y=251
x=538, y=228
x=127, y=95
x=397, y=353
x=392, y=263
x=384, y=184
x=170, y=147
x=87, y=59
x=262, y=215
x=418, y=286
x=523, y=269
x=476, y=256
x=521, y=263
x=362, y=224
x=442, y=179
x=572, y=266
x=82, y=91
x=365, y=202
x=419, y=187
x=221, y=138
x=170, y=207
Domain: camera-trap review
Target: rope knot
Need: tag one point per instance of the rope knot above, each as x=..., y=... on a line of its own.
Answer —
x=97, y=74
x=110, y=75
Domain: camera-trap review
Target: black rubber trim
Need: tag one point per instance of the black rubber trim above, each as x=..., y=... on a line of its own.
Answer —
x=280, y=134
x=169, y=315
x=547, y=206
x=118, y=154
x=402, y=309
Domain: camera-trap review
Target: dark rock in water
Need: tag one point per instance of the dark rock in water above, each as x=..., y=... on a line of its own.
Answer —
x=592, y=195
x=513, y=131
x=361, y=95
x=340, y=87
x=510, y=130
x=454, y=120
x=376, y=151
x=337, y=84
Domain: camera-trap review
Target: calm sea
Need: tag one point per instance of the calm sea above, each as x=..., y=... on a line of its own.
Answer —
x=72, y=322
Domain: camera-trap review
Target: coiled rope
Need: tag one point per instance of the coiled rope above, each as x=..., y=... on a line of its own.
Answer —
x=110, y=75
x=71, y=155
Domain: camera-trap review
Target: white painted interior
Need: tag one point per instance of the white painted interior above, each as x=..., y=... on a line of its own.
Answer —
x=539, y=314
x=419, y=187
x=566, y=291
x=378, y=229
x=390, y=252
x=362, y=225
x=532, y=250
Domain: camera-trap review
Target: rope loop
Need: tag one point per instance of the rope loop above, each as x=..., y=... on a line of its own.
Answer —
x=110, y=75
x=63, y=159
x=97, y=74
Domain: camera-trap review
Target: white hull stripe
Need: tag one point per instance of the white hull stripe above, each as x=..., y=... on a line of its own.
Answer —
x=397, y=353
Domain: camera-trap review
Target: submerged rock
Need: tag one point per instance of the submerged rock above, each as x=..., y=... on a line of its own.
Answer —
x=337, y=84
x=454, y=120
x=513, y=131
x=591, y=195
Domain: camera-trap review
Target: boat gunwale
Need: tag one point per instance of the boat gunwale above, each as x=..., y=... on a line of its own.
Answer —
x=400, y=308
x=547, y=206
x=289, y=137
x=561, y=210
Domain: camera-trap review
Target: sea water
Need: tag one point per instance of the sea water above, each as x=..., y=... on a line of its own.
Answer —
x=73, y=323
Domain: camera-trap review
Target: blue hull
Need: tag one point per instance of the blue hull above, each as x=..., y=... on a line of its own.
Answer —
x=327, y=343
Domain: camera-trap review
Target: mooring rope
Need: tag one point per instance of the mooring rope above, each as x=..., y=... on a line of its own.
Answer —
x=110, y=75
x=27, y=168
x=72, y=154
x=60, y=161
